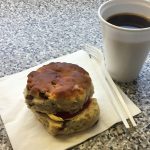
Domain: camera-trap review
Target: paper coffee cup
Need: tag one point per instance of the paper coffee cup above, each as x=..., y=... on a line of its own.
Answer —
x=125, y=49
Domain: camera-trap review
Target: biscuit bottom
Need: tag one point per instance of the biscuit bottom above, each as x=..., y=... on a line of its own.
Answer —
x=58, y=126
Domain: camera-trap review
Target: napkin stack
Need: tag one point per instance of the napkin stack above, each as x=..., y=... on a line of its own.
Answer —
x=25, y=131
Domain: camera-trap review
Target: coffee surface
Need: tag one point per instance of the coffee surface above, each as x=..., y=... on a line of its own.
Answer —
x=127, y=20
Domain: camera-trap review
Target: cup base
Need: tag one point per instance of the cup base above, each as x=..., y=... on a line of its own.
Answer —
x=124, y=80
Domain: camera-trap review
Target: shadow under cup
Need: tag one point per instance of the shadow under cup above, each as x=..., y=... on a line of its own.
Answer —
x=125, y=49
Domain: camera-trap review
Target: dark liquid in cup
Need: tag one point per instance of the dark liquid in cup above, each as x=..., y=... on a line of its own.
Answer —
x=131, y=21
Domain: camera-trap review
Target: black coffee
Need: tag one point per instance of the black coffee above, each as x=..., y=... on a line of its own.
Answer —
x=129, y=21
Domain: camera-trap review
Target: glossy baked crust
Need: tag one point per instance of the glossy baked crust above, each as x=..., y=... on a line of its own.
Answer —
x=58, y=87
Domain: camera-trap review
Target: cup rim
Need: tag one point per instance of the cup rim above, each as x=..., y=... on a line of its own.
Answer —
x=117, y=27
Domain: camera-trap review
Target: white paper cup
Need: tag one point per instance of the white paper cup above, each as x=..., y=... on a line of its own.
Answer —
x=125, y=50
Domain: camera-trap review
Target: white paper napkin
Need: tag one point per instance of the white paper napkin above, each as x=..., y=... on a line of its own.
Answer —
x=27, y=133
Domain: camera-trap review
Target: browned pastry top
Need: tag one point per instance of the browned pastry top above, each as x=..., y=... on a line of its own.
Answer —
x=58, y=80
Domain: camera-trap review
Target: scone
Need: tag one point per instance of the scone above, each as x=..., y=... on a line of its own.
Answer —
x=59, y=94
x=62, y=125
x=58, y=87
